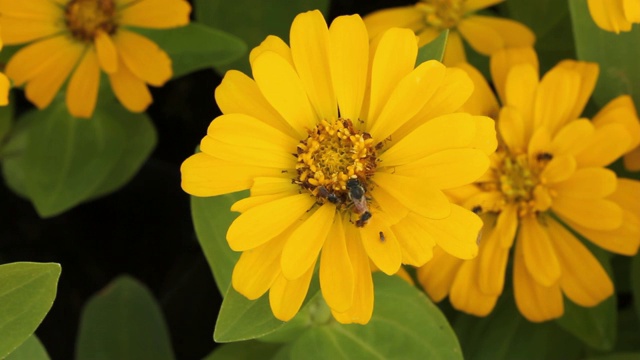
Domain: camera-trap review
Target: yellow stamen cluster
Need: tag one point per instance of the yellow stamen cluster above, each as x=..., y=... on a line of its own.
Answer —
x=333, y=153
x=442, y=14
x=85, y=18
x=517, y=179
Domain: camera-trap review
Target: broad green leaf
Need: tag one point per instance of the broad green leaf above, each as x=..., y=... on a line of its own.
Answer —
x=31, y=349
x=243, y=319
x=211, y=219
x=27, y=291
x=505, y=334
x=244, y=350
x=13, y=157
x=253, y=20
x=617, y=55
x=635, y=283
x=550, y=21
x=123, y=321
x=405, y=325
x=196, y=46
x=433, y=50
x=594, y=326
x=69, y=160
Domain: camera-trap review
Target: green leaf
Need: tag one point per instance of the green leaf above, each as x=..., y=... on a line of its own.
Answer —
x=594, y=326
x=243, y=319
x=505, y=334
x=433, y=50
x=6, y=121
x=211, y=219
x=550, y=21
x=27, y=291
x=635, y=283
x=617, y=356
x=405, y=325
x=253, y=20
x=13, y=157
x=31, y=349
x=196, y=46
x=616, y=54
x=244, y=350
x=123, y=322
x=69, y=160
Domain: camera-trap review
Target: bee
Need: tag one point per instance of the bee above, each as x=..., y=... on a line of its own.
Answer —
x=364, y=219
x=382, y=238
x=324, y=193
x=356, y=194
x=544, y=156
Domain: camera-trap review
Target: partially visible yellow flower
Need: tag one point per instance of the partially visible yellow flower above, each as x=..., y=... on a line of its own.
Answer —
x=5, y=85
x=83, y=37
x=346, y=150
x=427, y=18
x=615, y=15
x=547, y=180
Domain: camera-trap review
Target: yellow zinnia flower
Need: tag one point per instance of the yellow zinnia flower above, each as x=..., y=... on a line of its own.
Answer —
x=345, y=151
x=547, y=180
x=82, y=37
x=615, y=15
x=427, y=18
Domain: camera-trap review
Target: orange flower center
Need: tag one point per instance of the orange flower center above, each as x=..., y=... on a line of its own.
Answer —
x=85, y=18
x=442, y=14
x=335, y=163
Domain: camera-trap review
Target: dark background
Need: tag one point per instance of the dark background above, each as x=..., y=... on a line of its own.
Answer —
x=144, y=229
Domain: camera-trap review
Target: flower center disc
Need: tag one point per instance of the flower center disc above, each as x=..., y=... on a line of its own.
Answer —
x=442, y=14
x=86, y=17
x=331, y=155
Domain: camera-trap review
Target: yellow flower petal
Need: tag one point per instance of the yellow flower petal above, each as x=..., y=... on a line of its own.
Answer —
x=536, y=303
x=559, y=169
x=242, y=139
x=627, y=195
x=274, y=44
x=583, y=280
x=506, y=225
x=454, y=52
x=395, y=57
x=409, y=96
x=34, y=9
x=475, y=5
x=631, y=10
x=393, y=209
x=259, y=225
x=608, y=143
x=456, y=234
x=205, y=175
x=596, y=214
x=556, y=98
x=621, y=110
x=82, y=91
x=336, y=272
x=5, y=86
x=416, y=243
x=303, y=246
x=130, y=90
x=482, y=38
x=588, y=77
x=232, y=94
x=283, y=89
x=45, y=85
x=349, y=60
x=272, y=185
x=107, y=53
x=454, y=90
x=588, y=183
x=421, y=198
x=466, y=295
x=362, y=307
x=257, y=269
x=624, y=240
x=448, y=168
x=286, y=296
x=403, y=17
x=156, y=14
x=492, y=264
x=438, y=274
x=632, y=160
x=450, y=131
x=310, y=51
x=512, y=129
x=609, y=15
x=31, y=60
x=485, y=139
x=245, y=204
x=510, y=32
x=143, y=57
x=381, y=244
x=539, y=256
x=525, y=80
x=483, y=101
x=572, y=138
x=20, y=30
